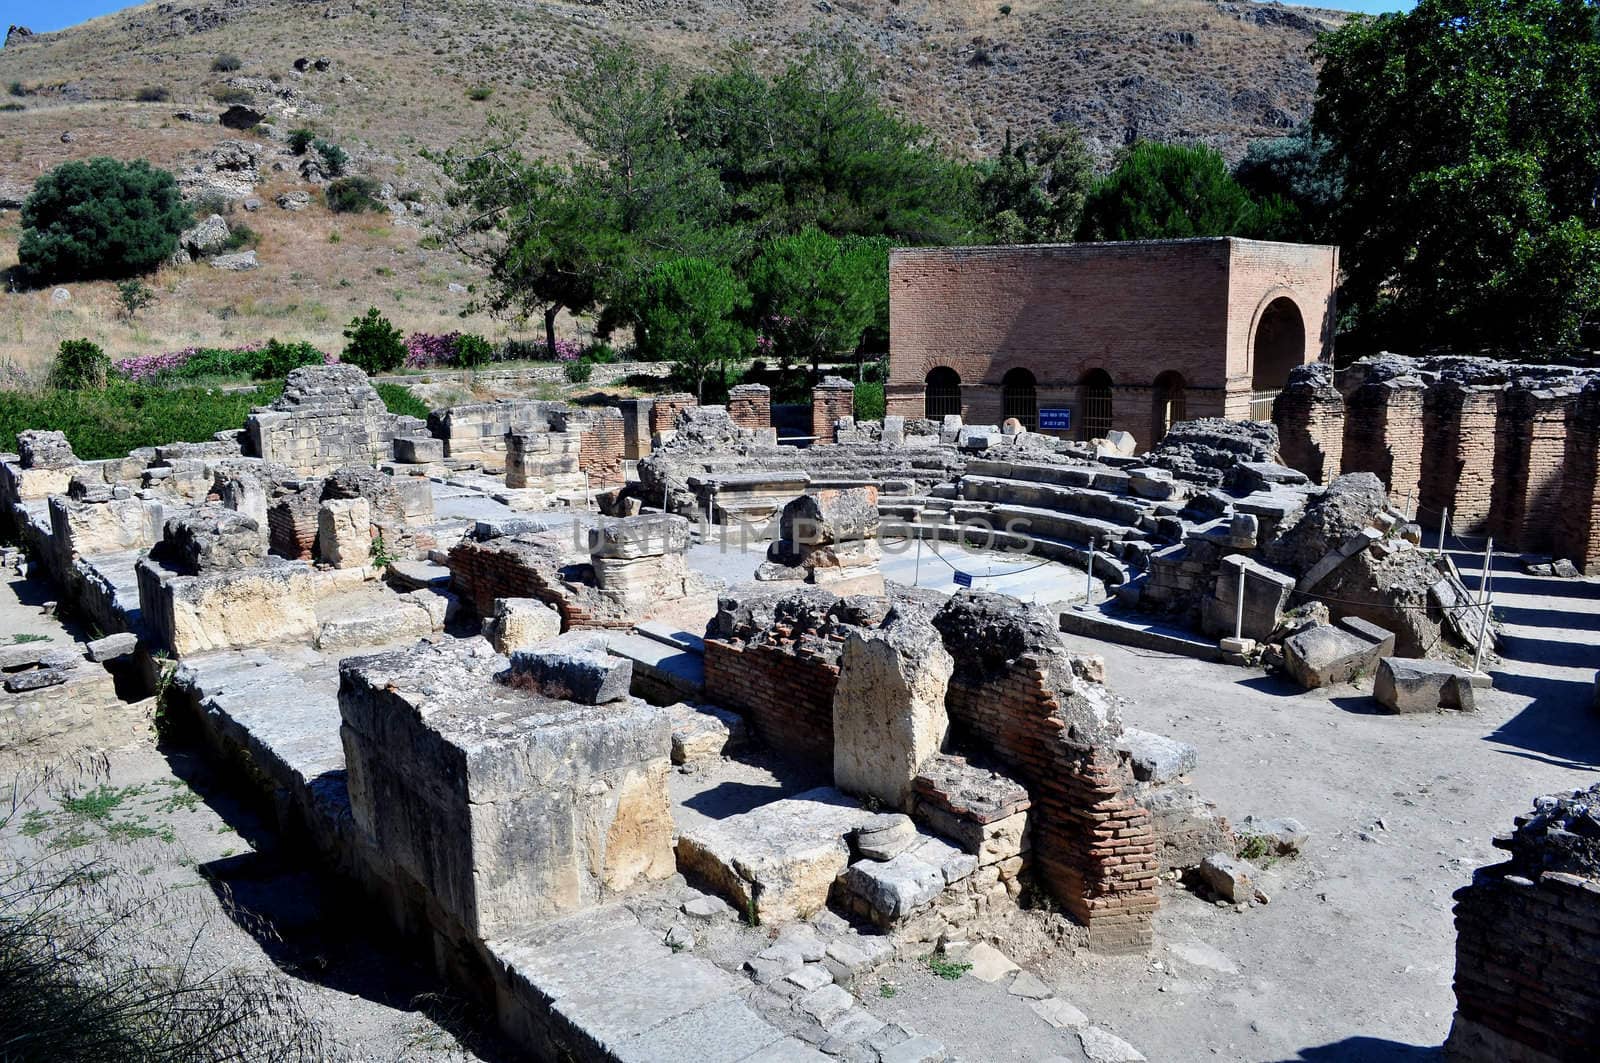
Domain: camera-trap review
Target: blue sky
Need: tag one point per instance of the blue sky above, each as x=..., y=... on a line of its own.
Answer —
x=43, y=15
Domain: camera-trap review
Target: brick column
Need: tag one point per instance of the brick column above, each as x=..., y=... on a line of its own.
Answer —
x=1383, y=435
x=1530, y=449
x=1458, y=455
x=832, y=399
x=1577, y=531
x=601, y=449
x=664, y=413
x=1309, y=413
x=750, y=405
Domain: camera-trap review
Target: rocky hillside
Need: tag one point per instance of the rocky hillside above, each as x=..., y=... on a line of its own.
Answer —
x=385, y=80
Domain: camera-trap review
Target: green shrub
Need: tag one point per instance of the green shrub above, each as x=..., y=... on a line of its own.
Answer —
x=241, y=236
x=601, y=353
x=80, y=365
x=123, y=417
x=133, y=295
x=479, y=93
x=153, y=94
x=11, y=107
x=376, y=346
x=225, y=63
x=231, y=96
x=473, y=351
x=271, y=361
x=869, y=402
x=17, y=88
x=334, y=157
x=579, y=372
x=101, y=219
x=300, y=140
x=524, y=351
x=352, y=195
x=398, y=399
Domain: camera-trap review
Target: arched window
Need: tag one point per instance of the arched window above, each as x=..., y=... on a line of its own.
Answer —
x=1019, y=398
x=1279, y=345
x=1094, y=398
x=1170, y=403
x=942, y=397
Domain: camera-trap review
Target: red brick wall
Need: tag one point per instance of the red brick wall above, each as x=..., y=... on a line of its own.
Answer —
x=1530, y=448
x=786, y=692
x=1458, y=456
x=1577, y=533
x=1383, y=435
x=482, y=572
x=750, y=405
x=1310, y=424
x=1527, y=968
x=828, y=404
x=600, y=450
x=1092, y=843
x=665, y=411
x=1134, y=310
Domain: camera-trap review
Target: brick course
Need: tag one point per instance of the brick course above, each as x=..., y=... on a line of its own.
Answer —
x=750, y=405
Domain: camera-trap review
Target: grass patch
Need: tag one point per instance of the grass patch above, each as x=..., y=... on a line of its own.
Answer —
x=947, y=969
x=123, y=417
x=97, y=804
x=397, y=398
x=23, y=637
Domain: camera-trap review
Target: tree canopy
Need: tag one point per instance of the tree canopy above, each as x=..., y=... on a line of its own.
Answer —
x=1467, y=135
x=1168, y=191
x=1034, y=191
x=100, y=219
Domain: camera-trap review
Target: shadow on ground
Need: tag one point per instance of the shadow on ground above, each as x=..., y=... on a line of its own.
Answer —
x=1368, y=1050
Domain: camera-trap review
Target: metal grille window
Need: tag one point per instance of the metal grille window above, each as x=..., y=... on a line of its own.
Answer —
x=1096, y=392
x=942, y=397
x=1019, y=398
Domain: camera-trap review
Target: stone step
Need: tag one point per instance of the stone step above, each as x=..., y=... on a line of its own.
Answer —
x=418, y=575
x=1034, y=520
x=662, y=672
x=1080, y=501
x=1096, y=476
x=1094, y=623
x=671, y=635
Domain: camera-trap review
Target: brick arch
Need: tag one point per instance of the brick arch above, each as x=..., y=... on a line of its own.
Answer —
x=941, y=392
x=1271, y=311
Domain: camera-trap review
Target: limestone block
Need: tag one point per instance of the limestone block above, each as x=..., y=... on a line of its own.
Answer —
x=344, y=532
x=1154, y=757
x=894, y=889
x=272, y=604
x=1123, y=442
x=1419, y=685
x=778, y=861
x=24, y=484
x=212, y=539
x=635, y=537
x=1229, y=877
x=395, y=622
x=1324, y=655
x=831, y=516
x=894, y=430
x=586, y=677
x=506, y=807
x=949, y=428
x=418, y=450
x=1266, y=591
x=520, y=624
x=703, y=732
x=39, y=449
x=112, y=646
x=888, y=709
x=117, y=524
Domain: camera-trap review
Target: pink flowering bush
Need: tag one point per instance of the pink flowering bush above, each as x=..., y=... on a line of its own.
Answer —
x=264, y=359
x=426, y=350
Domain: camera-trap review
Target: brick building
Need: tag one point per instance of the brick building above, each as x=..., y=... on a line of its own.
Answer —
x=1122, y=335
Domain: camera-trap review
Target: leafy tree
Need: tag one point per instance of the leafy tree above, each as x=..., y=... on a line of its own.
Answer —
x=816, y=295
x=300, y=140
x=1468, y=135
x=80, y=366
x=473, y=351
x=1034, y=191
x=688, y=315
x=1295, y=169
x=133, y=295
x=375, y=345
x=1167, y=191
x=100, y=219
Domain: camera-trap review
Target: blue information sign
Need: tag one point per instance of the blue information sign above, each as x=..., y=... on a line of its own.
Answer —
x=963, y=579
x=1058, y=419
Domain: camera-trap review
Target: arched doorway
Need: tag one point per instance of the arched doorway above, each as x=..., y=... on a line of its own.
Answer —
x=1170, y=403
x=1094, y=399
x=1019, y=398
x=942, y=393
x=1278, y=346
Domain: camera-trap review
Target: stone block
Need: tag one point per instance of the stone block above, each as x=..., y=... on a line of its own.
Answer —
x=830, y=516
x=521, y=624
x=1266, y=591
x=1325, y=655
x=585, y=677
x=888, y=709
x=40, y=449
x=1381, y=638
x=344, y=532
x=418, y=450
x=630, y=538
x=1419, y=685
x=211, y=539
x=701, y=732
x=1229, y=877
x=272, y=604
x=399, y=621
x=111, y=647
x=1124, y=442
x=885, y=837
x=892, y=890
x=1156, y=758
x=505, y=807
x=779, y=861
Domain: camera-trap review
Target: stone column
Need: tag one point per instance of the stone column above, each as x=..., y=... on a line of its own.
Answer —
x=832, y=399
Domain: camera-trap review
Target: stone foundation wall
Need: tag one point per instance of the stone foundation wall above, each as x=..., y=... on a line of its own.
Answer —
x=1093, y=845
x=477, y=430
x=327, y=416
x=750, y=405
x=785, y=692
